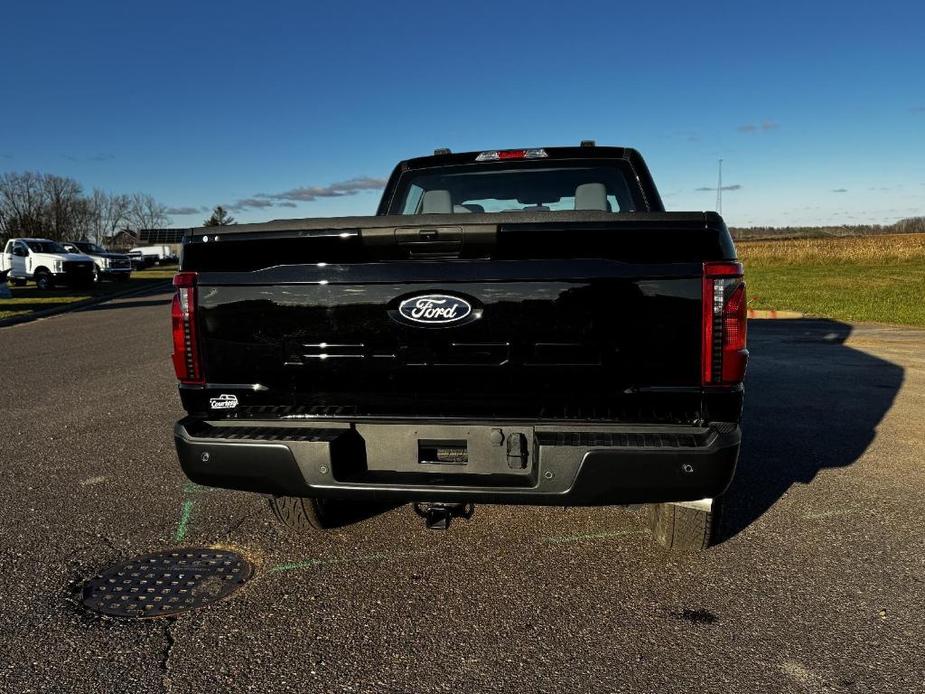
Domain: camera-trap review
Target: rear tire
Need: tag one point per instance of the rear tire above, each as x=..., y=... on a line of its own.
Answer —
x=304, y=514
x=686, y=529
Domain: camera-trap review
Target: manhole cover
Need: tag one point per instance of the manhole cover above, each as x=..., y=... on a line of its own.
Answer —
x=166, y=582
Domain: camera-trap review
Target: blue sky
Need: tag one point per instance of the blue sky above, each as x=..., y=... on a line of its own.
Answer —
x=205, y=103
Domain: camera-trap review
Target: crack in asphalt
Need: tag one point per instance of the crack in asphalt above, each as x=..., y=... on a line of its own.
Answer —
x=259, y=508
x=170, y=642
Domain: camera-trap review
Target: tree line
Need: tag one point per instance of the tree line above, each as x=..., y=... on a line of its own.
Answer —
x=910, y=225
x=56, y=207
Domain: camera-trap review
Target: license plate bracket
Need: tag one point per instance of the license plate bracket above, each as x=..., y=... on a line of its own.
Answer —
x=443, y=452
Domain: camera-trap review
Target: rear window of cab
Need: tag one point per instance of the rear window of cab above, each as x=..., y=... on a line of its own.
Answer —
x=525, y=186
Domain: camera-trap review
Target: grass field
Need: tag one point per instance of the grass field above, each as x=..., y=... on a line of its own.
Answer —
x=29, y=299
x=868, y=278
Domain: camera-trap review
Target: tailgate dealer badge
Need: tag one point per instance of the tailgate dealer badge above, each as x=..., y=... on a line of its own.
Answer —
x=224, y=402
x=436, y=310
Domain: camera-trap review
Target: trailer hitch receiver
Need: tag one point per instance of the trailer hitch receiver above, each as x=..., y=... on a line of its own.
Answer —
x=437, y=515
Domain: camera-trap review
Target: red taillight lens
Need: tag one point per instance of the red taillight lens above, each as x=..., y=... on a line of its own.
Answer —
x=183, y=316
x=724, y=324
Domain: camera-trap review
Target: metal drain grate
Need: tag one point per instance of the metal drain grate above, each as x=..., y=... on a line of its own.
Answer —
x=166, y=583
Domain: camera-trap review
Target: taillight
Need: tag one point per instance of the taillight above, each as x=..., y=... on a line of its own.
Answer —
x=183, y=315
x=724, y=353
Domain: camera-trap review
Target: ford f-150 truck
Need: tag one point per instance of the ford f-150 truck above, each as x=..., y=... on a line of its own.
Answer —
x=513, y=327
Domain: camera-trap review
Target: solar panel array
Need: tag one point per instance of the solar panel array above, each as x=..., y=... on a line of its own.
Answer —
x=154, y=236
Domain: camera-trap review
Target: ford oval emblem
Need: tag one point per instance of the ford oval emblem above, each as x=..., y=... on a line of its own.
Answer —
x=435, y=309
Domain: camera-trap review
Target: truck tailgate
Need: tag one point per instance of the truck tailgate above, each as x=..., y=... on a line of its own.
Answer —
x=549, y=337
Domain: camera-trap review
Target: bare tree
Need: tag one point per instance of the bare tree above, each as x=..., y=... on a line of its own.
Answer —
x=80, y=220
x=107, y=212
x=22, y=204
x=146, y=213
x=40, y=204
x=34, y=204
x=116, y=213
x=65, y=209
x=911, y=225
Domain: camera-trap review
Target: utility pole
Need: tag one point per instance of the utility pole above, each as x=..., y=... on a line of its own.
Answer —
x=719, y=189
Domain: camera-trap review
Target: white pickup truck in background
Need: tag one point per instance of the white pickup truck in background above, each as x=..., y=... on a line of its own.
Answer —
x=45, y=262
x=116, y=266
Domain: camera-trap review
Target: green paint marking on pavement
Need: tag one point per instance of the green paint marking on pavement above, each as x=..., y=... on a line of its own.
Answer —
x=193, y=488
x=309, y=563
x=378, y=556
x=593, y=536
x=182, y=526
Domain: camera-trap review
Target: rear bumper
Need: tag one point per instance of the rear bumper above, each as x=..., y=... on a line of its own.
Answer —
x=557, y=465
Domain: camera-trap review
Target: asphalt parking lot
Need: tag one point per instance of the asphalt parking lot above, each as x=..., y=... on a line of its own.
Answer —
x=818, y=588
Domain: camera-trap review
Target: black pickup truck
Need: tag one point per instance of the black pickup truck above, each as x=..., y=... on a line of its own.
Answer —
x=512, y=327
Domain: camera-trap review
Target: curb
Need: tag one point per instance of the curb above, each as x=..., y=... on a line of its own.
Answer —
x=762, y=314
x=78, y=305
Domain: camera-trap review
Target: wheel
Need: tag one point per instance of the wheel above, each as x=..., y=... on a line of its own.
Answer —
x=304, y=514
x=683, y=528
x=97, y=277
x=44, y=280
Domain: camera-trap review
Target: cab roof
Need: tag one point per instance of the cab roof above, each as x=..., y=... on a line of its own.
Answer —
x=445, y=158
x=448, y=158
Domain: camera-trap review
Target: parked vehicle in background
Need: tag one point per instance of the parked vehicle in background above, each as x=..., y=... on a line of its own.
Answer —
x=140, y=261
x=5, y=292
x=116, y=266
x=156, y=255
x=513, y=327
x=45, y=262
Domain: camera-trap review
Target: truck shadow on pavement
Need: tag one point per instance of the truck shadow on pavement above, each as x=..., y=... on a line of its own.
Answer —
x=811, y=403
x=350, y=513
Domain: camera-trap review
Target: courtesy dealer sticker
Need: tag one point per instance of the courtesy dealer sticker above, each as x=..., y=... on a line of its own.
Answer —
x=224, y=402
